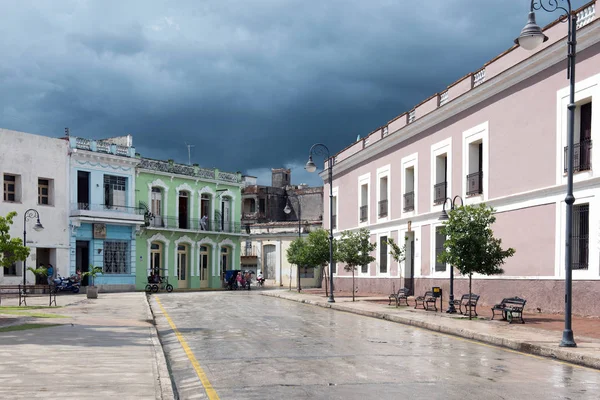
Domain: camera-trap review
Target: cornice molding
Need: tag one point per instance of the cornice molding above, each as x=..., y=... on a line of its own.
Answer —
x=85, y=155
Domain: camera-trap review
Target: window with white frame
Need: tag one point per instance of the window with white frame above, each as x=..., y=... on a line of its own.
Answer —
x=364, y=202
x=116, y=257
x=440, y=189
x=440, y=240
x=383, y=197
x=580, y=237
x=441, y=173
x=475, y=162
x=582, y=143
x=12, y=269
x=383, y=255
x=409, y=189
x=334, y=212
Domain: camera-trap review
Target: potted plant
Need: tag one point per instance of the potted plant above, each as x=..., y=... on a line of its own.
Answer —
x=92, y=291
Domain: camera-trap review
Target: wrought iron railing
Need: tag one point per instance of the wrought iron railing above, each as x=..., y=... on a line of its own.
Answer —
x=582, y=156
x=364, y=213
x=475, y=183
x=191, y=170
x=193, y=224
x=107, y=207
x=439, y=192
x=383, y=208
x=409, y=201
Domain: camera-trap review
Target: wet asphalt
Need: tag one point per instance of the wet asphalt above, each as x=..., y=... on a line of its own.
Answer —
x=257, y=347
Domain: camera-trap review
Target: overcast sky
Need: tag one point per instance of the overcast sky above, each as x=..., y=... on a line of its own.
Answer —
x=251, y=83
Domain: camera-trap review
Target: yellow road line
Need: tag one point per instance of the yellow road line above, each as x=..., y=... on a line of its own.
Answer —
x=210, y=391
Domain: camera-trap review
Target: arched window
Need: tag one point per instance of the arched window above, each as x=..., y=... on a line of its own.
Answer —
x=205, y=217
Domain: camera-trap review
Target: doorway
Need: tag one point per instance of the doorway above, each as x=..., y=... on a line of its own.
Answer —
x=156, y=207
x=183, y=210
x=83, y=190
x=226, y=214
x=82, y=259
x=204, y=262
x=269, y=261
x=182, y=266
x=409, y=265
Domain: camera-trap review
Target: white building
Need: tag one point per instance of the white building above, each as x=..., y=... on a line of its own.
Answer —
x=34, y=173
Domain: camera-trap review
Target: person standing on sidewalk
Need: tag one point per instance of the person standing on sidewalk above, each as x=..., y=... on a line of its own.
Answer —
x=50, y=274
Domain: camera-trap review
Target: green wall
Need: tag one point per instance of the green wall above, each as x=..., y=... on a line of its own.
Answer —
x=169, y=234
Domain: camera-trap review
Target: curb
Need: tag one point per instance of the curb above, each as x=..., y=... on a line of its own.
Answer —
x=520, y=346
x=163, y=383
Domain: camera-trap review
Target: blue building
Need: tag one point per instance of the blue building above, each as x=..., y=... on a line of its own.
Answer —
x=103, y=215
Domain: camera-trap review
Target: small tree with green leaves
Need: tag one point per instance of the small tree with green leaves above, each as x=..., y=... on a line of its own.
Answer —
x=11, y=249
x=92, y=273
x=317, y=251
x=470, y=243
x=297, y=255
x=398, y=253
x=354, y=249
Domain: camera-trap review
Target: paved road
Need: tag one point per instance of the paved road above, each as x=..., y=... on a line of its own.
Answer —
x=257, y=347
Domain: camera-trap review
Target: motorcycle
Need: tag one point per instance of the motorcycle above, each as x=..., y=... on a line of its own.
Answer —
x=260, y=281
x=70, y=284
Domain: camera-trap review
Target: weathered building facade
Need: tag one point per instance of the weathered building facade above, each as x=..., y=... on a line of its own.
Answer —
x=34, y=173
x=497, y=136
x=274, y=216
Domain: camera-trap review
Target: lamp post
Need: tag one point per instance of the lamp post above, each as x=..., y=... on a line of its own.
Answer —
x=531, y=37
x=321, y=149
x=29, y=214
x=444, y=217
x=288, y=210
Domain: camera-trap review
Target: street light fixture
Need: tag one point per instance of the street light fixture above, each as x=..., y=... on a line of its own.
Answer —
x=444, y=217
x=288, y=210
x=29, y=214
x=321, y=149
x=531, y=37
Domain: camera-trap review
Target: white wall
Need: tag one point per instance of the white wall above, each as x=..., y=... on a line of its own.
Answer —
x=32, y=157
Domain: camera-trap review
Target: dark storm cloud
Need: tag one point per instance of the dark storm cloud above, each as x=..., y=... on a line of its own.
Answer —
x=252, y=84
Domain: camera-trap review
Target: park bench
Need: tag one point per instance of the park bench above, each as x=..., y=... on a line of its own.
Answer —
x=511, y=308
x=7, y=291
x=426, y=300
x=37, y=291
x=467, y=303
x=401, y=294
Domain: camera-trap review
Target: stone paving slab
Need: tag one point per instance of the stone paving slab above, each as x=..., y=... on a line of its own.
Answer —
x=519, y=337
x=103, y=348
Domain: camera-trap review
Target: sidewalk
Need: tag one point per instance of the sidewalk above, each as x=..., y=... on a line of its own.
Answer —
x=539, y=335
x=98, y=349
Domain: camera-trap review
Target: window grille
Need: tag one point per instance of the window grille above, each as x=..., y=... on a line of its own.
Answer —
x=580, y=236
x=440, y=239
x=383, y=255
x=116, y=257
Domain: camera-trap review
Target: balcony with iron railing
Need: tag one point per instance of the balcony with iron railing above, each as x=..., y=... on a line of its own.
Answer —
x=364, y=213
x=582, y=156
x=409, y=201
x=439, y=192
x=109, y=211
x=475, y=183
x=193, y=224
x=383, y=208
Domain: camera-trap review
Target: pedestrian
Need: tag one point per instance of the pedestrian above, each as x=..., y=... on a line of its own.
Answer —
x=238, y=278
x=50, y=274
x=204, y=222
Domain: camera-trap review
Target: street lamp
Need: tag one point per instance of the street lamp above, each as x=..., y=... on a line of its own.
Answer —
x=531, y=37
x=288, y=210
x=29, y=214
x=444, y=217
x=321, y=149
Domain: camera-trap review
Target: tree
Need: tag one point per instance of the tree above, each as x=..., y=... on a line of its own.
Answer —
x=398, y=253
x=11, y=249
x=354, y=249
x=297, y=254
x=470, y=243
x=317, y=251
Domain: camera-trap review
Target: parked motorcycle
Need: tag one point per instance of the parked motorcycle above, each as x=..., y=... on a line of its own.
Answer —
x=260, y=281
x=70, y=284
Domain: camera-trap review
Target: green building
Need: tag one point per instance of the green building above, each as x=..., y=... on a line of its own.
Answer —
x=192, y=232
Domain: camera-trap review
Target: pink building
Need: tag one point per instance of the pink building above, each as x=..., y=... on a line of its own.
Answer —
x=497, y=136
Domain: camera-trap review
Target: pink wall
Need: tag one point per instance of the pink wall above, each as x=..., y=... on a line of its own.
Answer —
x=425, y=250
x=520, y=119
x=531, y=232
x=427, y=106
